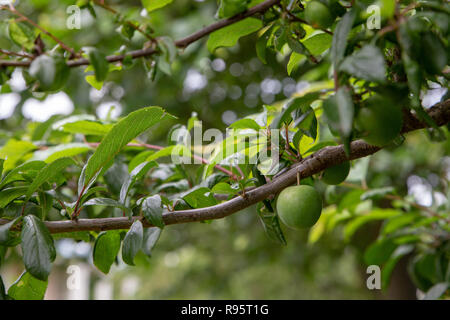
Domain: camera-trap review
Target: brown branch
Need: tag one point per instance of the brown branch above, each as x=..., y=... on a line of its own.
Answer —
x=181, y=43
x=322, y=159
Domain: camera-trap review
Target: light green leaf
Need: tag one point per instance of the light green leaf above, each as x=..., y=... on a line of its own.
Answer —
x=200, y=198
x=47, y=173
x=132, y=242
x=28, y=287
x=87, y=127
x=318, y=43
x=106, y=248
x=377, y=214
x=123, y=132
x=151, y=5
x=13, y=151
x=229, y=36
x=37, y=247
x=245, y=124
x=22, y=34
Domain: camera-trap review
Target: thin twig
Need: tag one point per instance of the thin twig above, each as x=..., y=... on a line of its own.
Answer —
x=13, y=10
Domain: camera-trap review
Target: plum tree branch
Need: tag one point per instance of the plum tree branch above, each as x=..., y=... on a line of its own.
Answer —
x=181, y=43
x=307, y=167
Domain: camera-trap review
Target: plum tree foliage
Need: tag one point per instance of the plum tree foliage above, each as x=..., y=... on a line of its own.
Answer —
x=101, y=181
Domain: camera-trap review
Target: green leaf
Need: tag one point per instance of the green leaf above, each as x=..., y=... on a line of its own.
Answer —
x=132, y=242
x=6, y=235
x=10, y=194
x=151, y=236
x=99, y=63
x=229, y=36
x=47, y=173
x=294, y=61
x=245, y=124
x=2, y=161
x=60, y=151
x=21, y=34
x=87, y=127
x=367, y=63
x=229, y=8
x=42, y=130
x=271, y=224
x=151, y=5
x=16, y=173
x=28, y=287
x=389, y=266
x=339, y=111
x=297, y=103
x=137, y=173
x=13, y=151
x=379, y=252
x=37, y=247
x=223, y=188
x=318, y=43
x=377, y=193
x=340, y=35
x=377, y=214
x=152, y=210
x=106, y=248
x=200, y=198
x=123, y=132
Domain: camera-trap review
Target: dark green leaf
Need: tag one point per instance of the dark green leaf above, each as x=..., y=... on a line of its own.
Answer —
x=339, y=43
x=132, y=242
x=152, y=210
x=367, y=63
x=9, y=194
x=37, y=247
x=137, y=173
x=99, y=63
x=47, y=173
x=151, y=236
x=106, y=248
